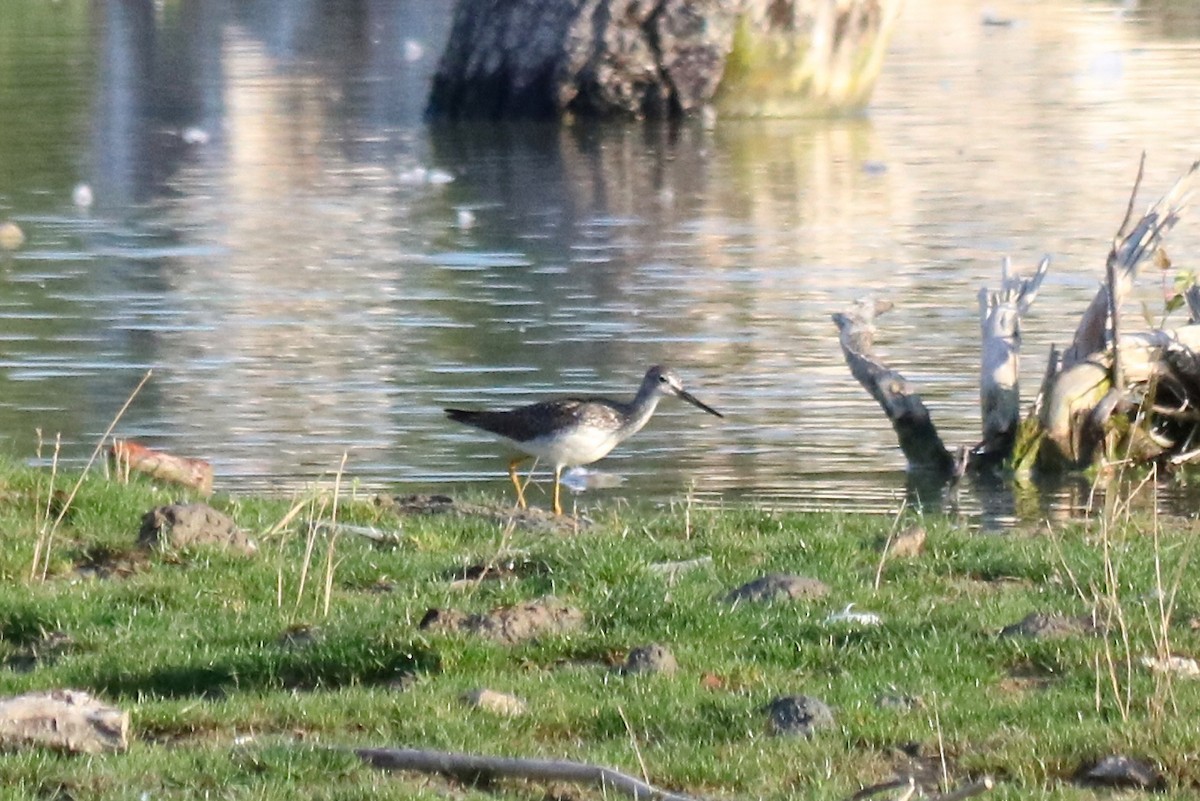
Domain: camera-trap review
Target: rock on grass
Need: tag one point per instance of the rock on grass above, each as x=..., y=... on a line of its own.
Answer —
x=1043, y=626
x=1122, y=772
x=63, y=720
x=508, y=624
x=497, y=703
x=800, y=715
x=653, y=658
x=186, y=525
x=779, y=587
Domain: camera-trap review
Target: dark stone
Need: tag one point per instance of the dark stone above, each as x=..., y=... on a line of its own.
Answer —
x=508, y=624
x=1038, y=625
x=779, y=587
x=1122, y=772
x=799, y=715
x=653, y=658
x=899, y=702
x=186, y=525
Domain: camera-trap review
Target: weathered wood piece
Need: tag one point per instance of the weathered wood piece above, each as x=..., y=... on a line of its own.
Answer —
x=1128, y=252
x=919, y=439
x=64, y=720
x=130, y=456
x=1150, y=358
x=1000, y=315
x=478, y=769
x=639, y=58
x=475, y=769
x=1101, y=373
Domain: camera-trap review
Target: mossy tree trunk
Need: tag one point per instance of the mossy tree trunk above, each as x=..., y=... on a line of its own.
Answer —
x=656, y=58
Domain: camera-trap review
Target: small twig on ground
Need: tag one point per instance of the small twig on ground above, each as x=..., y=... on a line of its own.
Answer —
x=633, y=741
x=937, y=722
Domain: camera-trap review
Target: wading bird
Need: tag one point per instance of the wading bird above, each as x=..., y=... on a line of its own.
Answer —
x=574, y=431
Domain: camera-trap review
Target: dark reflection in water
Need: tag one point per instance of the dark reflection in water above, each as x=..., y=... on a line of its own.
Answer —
x=310, y=270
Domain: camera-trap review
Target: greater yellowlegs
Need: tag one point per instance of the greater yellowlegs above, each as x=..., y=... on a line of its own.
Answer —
x=572, y=431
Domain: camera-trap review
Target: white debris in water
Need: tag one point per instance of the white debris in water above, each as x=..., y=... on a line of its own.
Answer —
x=413, y=50
x=81, y=196
x=11, y=235
x=580, y=479
x=464, y=219
x=194, y=136
x=418, y=176
x=847, y=615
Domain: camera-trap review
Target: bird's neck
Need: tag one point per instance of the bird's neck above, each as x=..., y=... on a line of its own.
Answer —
x=640, y=410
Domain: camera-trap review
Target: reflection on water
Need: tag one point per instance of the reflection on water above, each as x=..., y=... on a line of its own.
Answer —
x=310, y=270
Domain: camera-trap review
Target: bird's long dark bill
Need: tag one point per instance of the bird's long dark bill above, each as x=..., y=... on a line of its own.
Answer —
x=692, y=399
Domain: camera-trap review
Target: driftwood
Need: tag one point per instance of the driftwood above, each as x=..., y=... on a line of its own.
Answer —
x=550, y=58
x=479, y=769
x=63, y=720
x=1137, y=392
x=131, y=457
x=919, y=439
x=476, y=769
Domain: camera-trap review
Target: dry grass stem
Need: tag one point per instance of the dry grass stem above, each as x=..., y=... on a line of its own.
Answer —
x=66, y=505
x=887, y=545
x=331, y=548
x=637, y=751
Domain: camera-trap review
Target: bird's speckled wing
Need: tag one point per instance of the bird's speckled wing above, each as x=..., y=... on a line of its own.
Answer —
x=527, y=423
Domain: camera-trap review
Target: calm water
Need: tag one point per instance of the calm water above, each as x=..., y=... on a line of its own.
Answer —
x=310, y=270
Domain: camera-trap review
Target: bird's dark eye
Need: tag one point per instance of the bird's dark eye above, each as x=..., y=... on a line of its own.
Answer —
x=662, y=379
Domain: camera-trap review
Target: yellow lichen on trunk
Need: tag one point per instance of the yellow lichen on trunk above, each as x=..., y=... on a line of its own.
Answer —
x=785, y=69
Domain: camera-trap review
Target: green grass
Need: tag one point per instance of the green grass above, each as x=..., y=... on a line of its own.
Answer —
x=195, y=645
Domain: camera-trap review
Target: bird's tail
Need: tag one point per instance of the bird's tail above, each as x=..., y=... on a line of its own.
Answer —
x=462, y=415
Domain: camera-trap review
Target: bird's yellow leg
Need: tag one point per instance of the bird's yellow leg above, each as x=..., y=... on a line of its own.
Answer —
x=557, y=487
x=516, y=480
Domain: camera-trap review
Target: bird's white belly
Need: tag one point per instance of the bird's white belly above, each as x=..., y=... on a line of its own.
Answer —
x=581, y=446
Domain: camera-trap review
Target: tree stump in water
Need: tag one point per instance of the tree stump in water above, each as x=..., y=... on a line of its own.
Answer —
x=1131, y=395
x=638, y=58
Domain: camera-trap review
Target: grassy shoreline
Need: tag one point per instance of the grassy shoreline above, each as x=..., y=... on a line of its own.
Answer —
x=237, y=678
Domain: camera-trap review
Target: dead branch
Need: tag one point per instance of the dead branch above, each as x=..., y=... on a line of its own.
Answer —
x=475, y=769
x=1125, y=257
x=919, y=439
x=1000, y=362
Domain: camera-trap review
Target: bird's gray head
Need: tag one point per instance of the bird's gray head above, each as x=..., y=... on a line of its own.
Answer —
x=664, y=381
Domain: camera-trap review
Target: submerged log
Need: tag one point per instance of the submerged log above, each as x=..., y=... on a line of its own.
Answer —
x=641, y=58
x=919, y=438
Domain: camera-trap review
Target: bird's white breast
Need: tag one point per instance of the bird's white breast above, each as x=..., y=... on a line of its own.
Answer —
x=580, y=446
